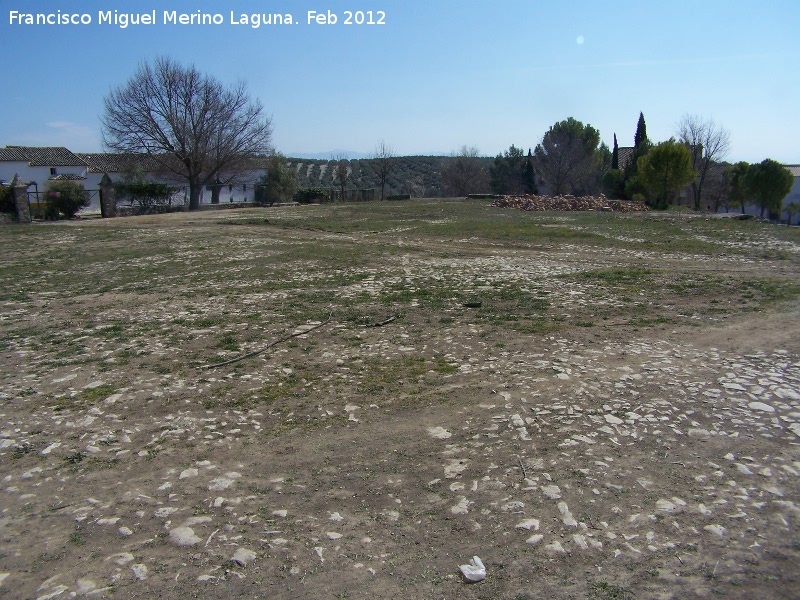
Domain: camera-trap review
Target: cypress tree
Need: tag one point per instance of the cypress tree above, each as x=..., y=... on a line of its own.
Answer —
x=528, y=176
x=615, y=154
x=641, y=132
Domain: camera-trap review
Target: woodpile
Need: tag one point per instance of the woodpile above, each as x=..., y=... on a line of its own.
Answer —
x=533, y=202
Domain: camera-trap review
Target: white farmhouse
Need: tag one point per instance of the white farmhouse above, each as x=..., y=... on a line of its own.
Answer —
x=37, y=166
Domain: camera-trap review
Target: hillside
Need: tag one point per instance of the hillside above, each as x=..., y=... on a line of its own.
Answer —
x=419, y=176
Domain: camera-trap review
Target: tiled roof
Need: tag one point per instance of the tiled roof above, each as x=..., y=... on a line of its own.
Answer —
x=107, y=162
x=10, y=153
x=42, y=156
x=624, y=155
x=793, y=169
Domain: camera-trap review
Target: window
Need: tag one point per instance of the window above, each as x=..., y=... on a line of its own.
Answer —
x=53, y=171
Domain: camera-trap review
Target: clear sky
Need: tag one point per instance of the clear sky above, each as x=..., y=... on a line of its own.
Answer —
x=437, y=75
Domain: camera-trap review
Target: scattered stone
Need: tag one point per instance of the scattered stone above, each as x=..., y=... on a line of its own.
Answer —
x=569, y=203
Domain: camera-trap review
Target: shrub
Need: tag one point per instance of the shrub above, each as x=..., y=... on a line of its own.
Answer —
x=151, y=197
x=66, y=198
x=6, y=201
x=311, y=195
x=278, y=184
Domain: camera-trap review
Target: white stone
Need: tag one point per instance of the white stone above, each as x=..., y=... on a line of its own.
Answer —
x=243, y=556
x=552, y=491
x=529, y=524
x=555, y=548
x=184, y=536
x=716, y=529
x=462, y=507
x=761, y=406
x=534, y=539
x=220, y=483
x=139, y=571
x=439, y=433
x=665, y=505
x=566, y=516
x=121, y=559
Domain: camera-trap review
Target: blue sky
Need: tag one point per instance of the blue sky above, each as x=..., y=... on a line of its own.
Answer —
x=438, y=75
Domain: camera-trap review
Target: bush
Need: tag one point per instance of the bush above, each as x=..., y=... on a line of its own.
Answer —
x=151, y=197
x=6, y=201
x=278, y=184
x=66, y=198
x=613, y=183
x=311, y=195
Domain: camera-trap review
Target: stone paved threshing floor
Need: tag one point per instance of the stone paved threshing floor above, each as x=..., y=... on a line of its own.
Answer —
x=587, y=456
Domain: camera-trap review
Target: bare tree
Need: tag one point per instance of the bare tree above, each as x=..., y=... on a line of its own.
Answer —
x=384, y=162
x=708, y=143
x=465, y=174
x=188, y=122
x=341, y=172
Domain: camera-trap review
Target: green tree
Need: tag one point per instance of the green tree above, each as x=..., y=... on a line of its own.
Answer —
x=506, y=175
x=768, y=183
x=738, y=193
x=666, y=168
x=567, y=159
x=792, y=209
x=279, y=182
x=66, y=198
x=613, y=183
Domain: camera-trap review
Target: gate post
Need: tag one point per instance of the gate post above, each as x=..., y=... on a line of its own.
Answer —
x=19, y=193
x=108, y=199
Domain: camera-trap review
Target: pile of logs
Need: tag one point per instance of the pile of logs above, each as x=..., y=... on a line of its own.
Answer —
x=533, y=202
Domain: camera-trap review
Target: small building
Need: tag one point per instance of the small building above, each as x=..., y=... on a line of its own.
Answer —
x=37, y=166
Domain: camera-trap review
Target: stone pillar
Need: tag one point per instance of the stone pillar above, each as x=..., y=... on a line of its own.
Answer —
x=108, y=198
x=19, y=193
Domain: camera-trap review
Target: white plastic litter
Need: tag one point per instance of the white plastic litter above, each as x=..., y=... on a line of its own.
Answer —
x=475, y=571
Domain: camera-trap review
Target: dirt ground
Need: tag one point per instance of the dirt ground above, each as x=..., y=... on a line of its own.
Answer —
x=578, y=452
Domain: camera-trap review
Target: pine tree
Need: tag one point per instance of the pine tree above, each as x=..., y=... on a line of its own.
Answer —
x=615, y=154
